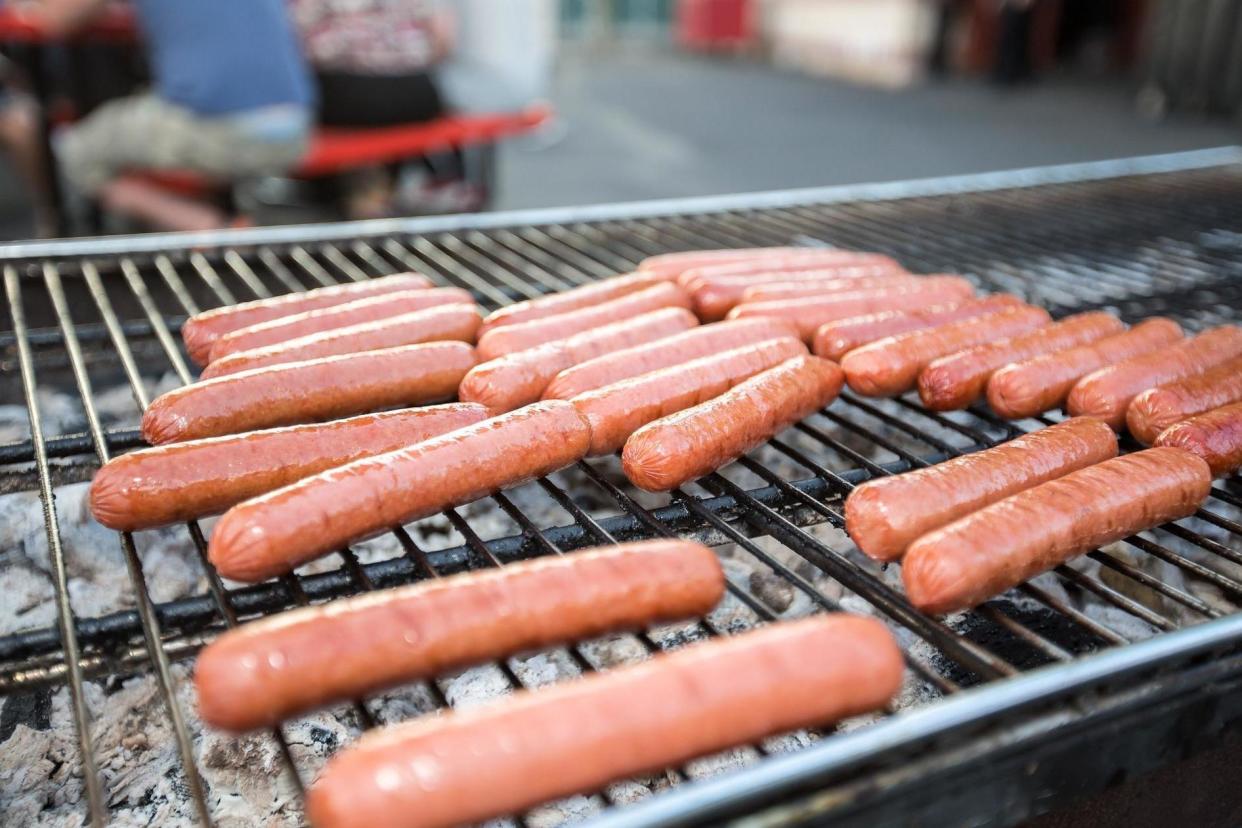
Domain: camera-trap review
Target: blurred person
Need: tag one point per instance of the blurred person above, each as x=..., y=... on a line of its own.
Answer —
x=373, y=59
x=232, y=98
x=502, y=54
x=21, y=140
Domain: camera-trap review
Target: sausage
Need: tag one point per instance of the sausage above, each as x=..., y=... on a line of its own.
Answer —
x=1216, y=436
x=1158, y=408
x=1107, y=392
x=810, y=313
x=616, y=411
x=681, y=447
x=269, y=670
x=302, y=392
x=271, y=534
x=670, y=265
x=1002, y=545
x=891, y=366
x=663, y=353
x=1028, y=388
x=184, y=481
x=833, y=340
x=201, y=331
x=769, y=291
x=463, y=767
x=519, y=378
x=369, y=309
x=443, y=323
x=884, y=516
x=955, y=381
x=595, y=293
x=715, y=296
x=802, y=260
x=519, y=336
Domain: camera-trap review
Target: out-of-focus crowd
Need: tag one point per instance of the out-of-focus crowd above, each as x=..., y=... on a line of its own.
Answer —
x=237, y=87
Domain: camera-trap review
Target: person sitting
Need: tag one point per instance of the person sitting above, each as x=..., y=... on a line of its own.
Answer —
x=232, y=98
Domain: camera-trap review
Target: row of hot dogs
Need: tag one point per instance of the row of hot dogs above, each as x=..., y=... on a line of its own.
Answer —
x=576, y=737
x=623, y=364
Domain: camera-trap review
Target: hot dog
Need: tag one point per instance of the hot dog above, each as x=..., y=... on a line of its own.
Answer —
x=833, y=340
x=809, y=314
x=1107, y=392
x=715, y=296
x=664, y=454
x=369, y=309
x=595, y=293
x=663, y=353
x=438, y=324
x=1158, y=408
x=271, y=534
x=891, y=366
x=1002, y=545
x=885, y=516
x=616, y=411
x=463, y=767
x=519, y=378
x=301, y=392
x=802, y=260
x=1216, y=436
x=670, y=265
x=772, y=291
x=201, y=331
x=184, y=481
x=957, y=380
x=519, y=336
x=1025, y=389
x=268, y=670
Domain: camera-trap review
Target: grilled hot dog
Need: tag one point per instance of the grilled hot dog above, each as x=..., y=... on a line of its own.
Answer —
x=301, y=392
x=671, y=265
x=595, y=293
x=1025, y=389
x=1216, y=436
x=201, y=331
x=1002, y=545
x=519, y=378
x=268, y=670
x=810, y=313
x=957, y=380
x=689, y=444
x=891, y=366
x=1107, y=392
x=834, y=340
x=519, y=336
x=271, y=534
x=443, y=323
x=1158, y=408
x=616, y=411
x=664, y=353
x=885, y=516
x=184, y=481
x=715, y=296
x=368, y=309
x=463, y=767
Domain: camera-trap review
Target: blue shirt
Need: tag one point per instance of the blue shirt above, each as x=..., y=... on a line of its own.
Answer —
x=217, y=57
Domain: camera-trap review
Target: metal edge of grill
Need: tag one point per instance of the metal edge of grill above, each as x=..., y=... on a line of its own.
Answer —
x=783, y=506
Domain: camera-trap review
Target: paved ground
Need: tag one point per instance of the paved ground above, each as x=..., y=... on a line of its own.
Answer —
x=639, y=123
x=647, y=125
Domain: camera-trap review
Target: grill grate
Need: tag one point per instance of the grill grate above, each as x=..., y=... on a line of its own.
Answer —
x=1157, y=240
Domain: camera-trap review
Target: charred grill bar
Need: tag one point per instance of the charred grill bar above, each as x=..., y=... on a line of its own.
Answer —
x=1115, y=640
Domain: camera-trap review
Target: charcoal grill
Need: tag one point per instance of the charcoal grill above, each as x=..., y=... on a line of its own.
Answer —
x=1060, y=688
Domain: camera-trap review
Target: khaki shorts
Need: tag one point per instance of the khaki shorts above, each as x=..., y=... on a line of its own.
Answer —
x=149, y=133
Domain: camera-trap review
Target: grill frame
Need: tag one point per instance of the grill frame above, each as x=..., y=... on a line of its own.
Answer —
x=692, y=804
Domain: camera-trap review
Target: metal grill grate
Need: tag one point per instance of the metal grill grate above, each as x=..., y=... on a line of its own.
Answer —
x=1159, y=236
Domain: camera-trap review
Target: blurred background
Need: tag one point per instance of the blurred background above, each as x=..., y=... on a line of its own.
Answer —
x=188, y=114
